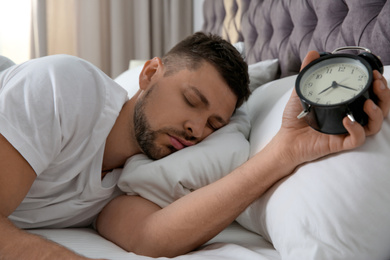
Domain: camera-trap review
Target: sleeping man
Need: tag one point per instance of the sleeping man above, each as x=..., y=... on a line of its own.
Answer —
x=64, y=126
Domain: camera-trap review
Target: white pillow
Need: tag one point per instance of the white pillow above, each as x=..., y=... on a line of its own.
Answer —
x=262, y=72
x=5, y=63
x=166, y=180
x=240, y=47
x=333, y=208
x=129, y=80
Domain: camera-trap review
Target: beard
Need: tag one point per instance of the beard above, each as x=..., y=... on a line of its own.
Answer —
x=146, y=137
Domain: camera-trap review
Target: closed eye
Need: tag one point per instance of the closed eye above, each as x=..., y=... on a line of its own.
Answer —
x=195, y=98
x=212, y=127
x=188, y=102
x=215, y=124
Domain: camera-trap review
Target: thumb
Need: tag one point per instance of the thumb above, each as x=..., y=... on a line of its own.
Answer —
x=356, y=135
x=310, y=56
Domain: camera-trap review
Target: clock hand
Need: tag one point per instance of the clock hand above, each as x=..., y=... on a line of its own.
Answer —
x=334, y=84
x=343, y=80
x=346, y=87
x=325, y=90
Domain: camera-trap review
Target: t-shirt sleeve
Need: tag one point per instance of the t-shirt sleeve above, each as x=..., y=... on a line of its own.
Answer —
x=44, y=102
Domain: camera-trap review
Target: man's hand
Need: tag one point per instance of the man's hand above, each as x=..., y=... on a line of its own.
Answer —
x=309, y=144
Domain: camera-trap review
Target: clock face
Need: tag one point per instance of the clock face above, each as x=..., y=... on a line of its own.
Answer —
x=334, y=81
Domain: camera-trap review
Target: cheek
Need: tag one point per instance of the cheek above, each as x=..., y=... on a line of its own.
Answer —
x=164, y=112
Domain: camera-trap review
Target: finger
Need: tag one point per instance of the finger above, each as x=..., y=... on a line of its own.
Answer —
x=356, y=135
x=382, y=91
x=310, y=56
x=375, y=117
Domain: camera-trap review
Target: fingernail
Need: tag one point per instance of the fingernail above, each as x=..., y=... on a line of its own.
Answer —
x=351, y=120
x=374, y=106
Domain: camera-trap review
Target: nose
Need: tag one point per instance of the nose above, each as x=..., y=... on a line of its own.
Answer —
x=195, y=127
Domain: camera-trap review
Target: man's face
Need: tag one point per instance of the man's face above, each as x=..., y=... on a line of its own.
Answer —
x=182, y=109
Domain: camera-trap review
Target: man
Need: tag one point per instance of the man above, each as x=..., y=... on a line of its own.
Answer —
x=182, y=99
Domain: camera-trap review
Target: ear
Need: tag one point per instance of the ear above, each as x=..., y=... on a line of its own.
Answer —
x=151, y=68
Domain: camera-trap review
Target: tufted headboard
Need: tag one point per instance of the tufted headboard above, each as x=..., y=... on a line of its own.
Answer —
x=288, y=29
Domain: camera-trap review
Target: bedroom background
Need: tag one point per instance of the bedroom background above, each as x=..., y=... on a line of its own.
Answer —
x=108, y=33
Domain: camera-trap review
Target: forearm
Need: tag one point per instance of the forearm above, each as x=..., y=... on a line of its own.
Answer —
x=16, y=244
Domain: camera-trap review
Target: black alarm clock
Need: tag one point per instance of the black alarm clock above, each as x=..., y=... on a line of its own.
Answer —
x=337, y=85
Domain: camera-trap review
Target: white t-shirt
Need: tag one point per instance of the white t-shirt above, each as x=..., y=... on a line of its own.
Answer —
x=57, y=111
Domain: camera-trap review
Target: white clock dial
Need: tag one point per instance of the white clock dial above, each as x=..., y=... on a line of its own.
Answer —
x=334, y=81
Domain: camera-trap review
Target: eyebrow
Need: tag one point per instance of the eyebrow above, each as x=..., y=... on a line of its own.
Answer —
x=205, y=101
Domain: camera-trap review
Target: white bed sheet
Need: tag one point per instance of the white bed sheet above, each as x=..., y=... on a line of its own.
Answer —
x=234, y=242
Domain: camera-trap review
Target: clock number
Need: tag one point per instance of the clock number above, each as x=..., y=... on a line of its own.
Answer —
x=360, y=78
x=328, y=71
x=353, y=70
x=319, y=76
x=342, y=68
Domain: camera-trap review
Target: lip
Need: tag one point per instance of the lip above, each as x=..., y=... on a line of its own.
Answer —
x=179, y=143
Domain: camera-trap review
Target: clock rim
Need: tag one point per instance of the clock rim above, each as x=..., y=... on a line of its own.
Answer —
x=332, y=56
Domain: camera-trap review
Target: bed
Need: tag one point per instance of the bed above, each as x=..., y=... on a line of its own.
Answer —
x=334, y=208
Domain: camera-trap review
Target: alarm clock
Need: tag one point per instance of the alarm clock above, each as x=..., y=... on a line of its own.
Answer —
x=337, y=85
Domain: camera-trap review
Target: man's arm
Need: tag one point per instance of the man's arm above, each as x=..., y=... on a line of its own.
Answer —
x=16, y=178
x=142, y=227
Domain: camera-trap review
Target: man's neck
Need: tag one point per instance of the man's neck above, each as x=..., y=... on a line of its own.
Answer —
x=120, y=143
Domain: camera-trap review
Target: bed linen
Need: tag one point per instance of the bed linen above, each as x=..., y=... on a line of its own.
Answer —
x=233, y=243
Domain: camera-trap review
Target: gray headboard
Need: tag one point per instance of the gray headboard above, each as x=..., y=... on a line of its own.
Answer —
x=288, y=29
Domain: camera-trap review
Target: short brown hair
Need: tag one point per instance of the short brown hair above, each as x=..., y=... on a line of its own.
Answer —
x=200, y=47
